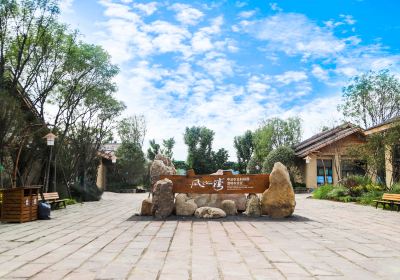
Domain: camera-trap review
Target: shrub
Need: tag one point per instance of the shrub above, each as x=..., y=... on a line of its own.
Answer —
x=71, y=201
x=368, y=197
x=282, y=154
x=322, y=191
x=337, y=192
x=395, y=188
x=346, y=198
x=356, y=180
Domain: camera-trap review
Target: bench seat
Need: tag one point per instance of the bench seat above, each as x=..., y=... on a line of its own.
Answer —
x=54, y=200
x=391, y=199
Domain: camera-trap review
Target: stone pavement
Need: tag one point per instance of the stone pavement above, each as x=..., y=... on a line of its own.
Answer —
x=101, y=240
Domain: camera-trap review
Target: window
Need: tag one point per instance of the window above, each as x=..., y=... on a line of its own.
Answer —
x=396, y=163
x=352, y=167
x=324, y=172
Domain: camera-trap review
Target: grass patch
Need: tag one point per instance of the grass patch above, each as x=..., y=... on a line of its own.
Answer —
x=71, y=201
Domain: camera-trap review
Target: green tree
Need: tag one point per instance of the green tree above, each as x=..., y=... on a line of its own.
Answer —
x=220, y=158
x=244, y=149
x=199, y=141
x=274, y=133
x=282, y=154
x=131, y=164
x=371, y=98
x=132, y=130
x=153, y=150
x=168, y=146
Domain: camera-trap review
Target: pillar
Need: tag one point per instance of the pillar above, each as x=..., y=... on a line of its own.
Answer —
x=311, y=172
x=389, y=165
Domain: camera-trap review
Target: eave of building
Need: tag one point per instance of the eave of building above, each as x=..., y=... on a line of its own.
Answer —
x=384, y=126
x=326, y=138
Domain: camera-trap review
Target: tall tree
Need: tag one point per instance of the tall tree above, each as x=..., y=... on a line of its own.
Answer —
x=133, y=130
x=168, y=146
x=371, y=98
x=153, y=150
x=274, y=133
x=199, y=141
x=220, y=158
x=244, y=149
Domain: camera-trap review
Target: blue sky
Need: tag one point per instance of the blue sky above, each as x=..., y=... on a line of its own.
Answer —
x=229, y=64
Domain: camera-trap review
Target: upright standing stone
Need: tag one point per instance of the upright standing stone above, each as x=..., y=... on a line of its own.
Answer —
x=278, y=201
x=161, y=165
x=163, y=199
x=253, y=206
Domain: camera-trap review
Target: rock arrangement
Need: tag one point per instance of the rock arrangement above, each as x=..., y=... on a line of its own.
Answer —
x=278, y=201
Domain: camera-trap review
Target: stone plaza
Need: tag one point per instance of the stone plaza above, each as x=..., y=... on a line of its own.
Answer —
x=105, y=240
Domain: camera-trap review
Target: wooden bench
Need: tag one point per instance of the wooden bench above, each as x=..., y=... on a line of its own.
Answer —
x=54, y=200
x=391, y=199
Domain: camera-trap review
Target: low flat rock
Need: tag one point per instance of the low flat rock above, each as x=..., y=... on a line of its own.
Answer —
x=209, y=213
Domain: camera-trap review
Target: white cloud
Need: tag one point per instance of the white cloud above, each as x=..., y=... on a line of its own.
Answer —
x=182, y=74
x=291, y=76
x=186, y=14
x=247, y=14
x=295, y=34
x=275, y=7
x=319, y=72
x=66, y=6
x=148, y=9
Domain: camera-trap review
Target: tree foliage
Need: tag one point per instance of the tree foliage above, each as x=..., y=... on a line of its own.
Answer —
x=282, y=154
x=45, y=62
x=244, y=149
x=201, y=157
x=199, y=142
x=274, y=133
x=168, y=146
x=220, y=158
x=371, y=98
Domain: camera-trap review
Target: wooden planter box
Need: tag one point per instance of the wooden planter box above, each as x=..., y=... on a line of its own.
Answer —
x=19, y=204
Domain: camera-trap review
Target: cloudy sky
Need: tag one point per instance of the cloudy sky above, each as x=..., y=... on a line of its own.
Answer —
x=229, y=64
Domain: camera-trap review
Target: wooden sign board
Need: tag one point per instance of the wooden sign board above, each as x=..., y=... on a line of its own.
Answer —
x=227, y=183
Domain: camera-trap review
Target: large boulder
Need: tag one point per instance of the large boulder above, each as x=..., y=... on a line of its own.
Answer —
x=163, y=199
x=278, y=201
x=229, y=207
x=146, y=207
x=209, y=213
x=161, y=165
x=253, y=206
x=184, y=205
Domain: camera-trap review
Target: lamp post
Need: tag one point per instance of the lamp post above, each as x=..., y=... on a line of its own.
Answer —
x=50, y=138
x=113, y=159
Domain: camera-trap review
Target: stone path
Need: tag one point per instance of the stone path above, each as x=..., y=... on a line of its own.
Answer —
x=97, y=240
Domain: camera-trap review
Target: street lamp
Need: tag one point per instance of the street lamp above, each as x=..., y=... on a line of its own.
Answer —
x=50, y=137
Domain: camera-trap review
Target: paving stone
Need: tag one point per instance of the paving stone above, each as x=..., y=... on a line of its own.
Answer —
x=98, y=240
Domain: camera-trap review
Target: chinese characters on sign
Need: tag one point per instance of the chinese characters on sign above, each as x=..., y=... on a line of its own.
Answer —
x=226, y=183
